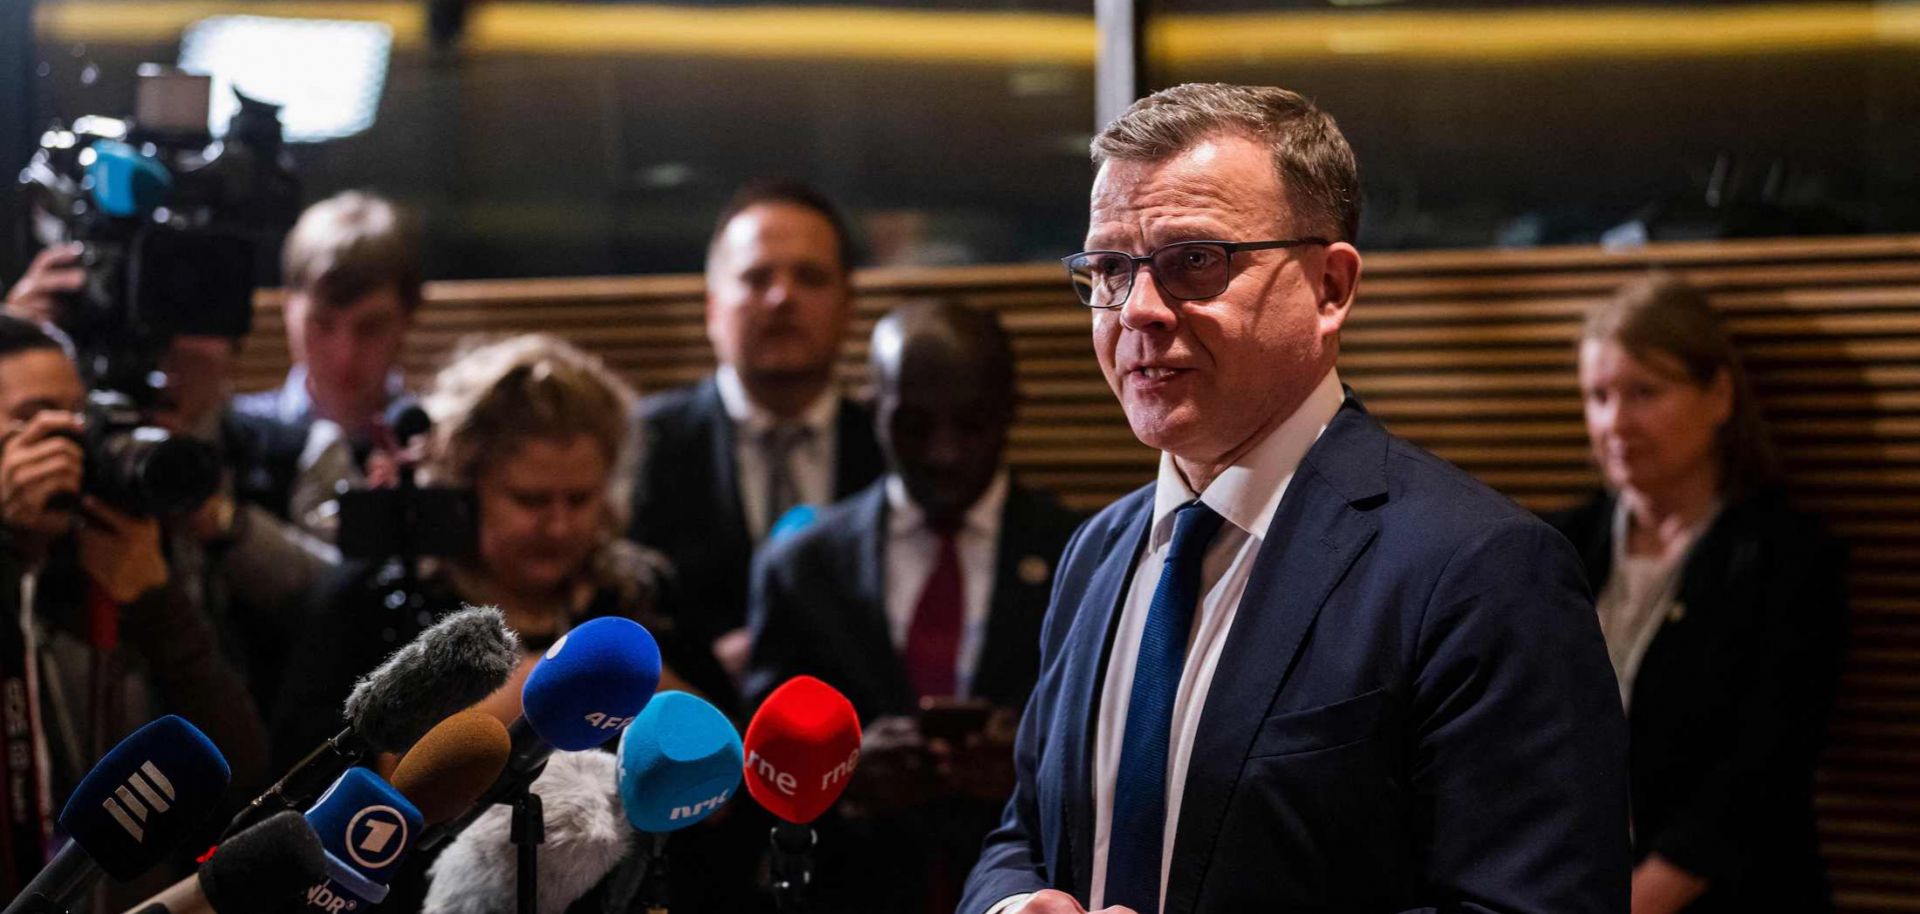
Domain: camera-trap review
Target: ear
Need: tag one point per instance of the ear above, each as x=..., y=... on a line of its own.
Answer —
x=1720, y=397
x=1339, y=282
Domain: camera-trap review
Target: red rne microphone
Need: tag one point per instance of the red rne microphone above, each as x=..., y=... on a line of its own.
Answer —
x=801, y=749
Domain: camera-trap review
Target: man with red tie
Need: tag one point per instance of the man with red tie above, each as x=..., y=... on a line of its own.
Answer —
x=921, y=598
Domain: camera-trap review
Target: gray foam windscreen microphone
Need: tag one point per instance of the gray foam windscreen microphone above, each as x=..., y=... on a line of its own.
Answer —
x=460, y=660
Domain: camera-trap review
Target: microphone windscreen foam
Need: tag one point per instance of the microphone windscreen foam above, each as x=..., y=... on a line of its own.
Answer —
x=133, y=807
x=455, y=663
x=802, y=747
x=680, y=760
x=450, y=767
x=590, y=683
x=265, y=869
x=585, y=840
x=366, y=828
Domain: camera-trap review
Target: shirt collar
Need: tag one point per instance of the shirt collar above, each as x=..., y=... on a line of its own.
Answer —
x=904, y=516
x=818, y=417
x=295, y=403
x=1248, y=493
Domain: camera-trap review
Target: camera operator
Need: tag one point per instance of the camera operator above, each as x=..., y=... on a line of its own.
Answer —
x=240, y=556
x=351, y=267
x=100, y=636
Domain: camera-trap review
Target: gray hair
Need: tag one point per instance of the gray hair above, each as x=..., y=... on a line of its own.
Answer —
x=1311, y=158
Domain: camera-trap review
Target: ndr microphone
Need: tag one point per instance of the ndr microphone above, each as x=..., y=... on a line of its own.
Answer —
x=366, y=828
x=266, y=869
x=129, y=811
x=588, y=685
x=680, y=760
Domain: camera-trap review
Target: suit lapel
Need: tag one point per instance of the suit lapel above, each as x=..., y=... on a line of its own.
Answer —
x=723, y=455
x=1005, y=607
x=1088, y=642
x=876, y=635
x=1312, y=541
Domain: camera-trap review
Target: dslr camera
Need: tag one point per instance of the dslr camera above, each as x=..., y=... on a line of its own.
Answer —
x=170, y=222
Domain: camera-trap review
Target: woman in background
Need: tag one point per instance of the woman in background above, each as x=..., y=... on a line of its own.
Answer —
x=1723, y=610
x=538, y=431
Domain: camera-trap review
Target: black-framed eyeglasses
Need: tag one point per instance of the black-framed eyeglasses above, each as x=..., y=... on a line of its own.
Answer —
x=1186, y=270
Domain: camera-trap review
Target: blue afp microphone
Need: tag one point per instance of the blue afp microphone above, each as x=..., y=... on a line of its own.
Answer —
x=680, y=760
x=583, y=690
x=366, y=828
x=129, y=811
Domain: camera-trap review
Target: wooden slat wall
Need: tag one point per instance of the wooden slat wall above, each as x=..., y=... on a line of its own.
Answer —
x=1469, y=353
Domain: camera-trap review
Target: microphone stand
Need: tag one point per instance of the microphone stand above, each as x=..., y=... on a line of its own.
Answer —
x=653, y=885
x=792, y=865
x=527, y=832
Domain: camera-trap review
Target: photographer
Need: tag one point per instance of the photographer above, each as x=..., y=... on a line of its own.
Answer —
x=533, y=430
x=351, y=267
x=240, y=556
x=105, y=637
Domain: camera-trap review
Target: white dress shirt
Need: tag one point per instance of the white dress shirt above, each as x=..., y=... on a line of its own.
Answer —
x=1247, y=495
x=912, y=551
x=1642, y=592
x=812, y=458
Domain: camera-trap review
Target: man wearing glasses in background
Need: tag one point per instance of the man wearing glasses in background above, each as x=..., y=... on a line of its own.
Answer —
x=1311, y=667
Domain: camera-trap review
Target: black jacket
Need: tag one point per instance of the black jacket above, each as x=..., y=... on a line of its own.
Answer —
x=819, y=605
x=687, y=505
x=1730, y=705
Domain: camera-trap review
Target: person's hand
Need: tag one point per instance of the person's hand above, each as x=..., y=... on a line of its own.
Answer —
x=40, y=459
x=54, y=272
x=1052, y=901
x=895, y=772
x=1659, y=887
x=982, y=767
x=734, y=650
x=120, y=552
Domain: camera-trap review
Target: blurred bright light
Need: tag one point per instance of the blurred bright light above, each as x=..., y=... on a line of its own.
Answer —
x=327, y=74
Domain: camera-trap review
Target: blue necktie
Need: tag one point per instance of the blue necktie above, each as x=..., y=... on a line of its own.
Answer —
x=1136, y=838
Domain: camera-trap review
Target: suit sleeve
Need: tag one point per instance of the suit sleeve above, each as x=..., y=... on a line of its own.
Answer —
x=1518, y=742
x=1791, y=662
x=1012, y=859
x=780, y=645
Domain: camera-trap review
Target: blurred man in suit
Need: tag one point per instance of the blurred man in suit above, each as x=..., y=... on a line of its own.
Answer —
x=926, y=587
x=1311, y=667
x=726, y=458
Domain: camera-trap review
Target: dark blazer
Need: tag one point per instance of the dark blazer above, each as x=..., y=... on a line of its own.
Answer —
x=1414, y=710
x=819, y=608
x=687, y=505
x=819, y=605
x=1730, y=704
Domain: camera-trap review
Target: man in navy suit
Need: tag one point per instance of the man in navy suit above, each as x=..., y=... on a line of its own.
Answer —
x=1311, y=667
x=767, y=431
x=926, y=587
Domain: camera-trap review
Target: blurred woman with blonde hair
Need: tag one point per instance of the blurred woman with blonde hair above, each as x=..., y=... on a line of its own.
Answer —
x=1723, y=609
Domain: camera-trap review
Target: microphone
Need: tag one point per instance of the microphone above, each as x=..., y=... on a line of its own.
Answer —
x=458, y=661
x=450, y=767
x=589, y=684
x=680, y=760
x=476, y=874
x=366, y=829
x=802, y=747
x=132, y=808
x=797, y=518
x=266, y=869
